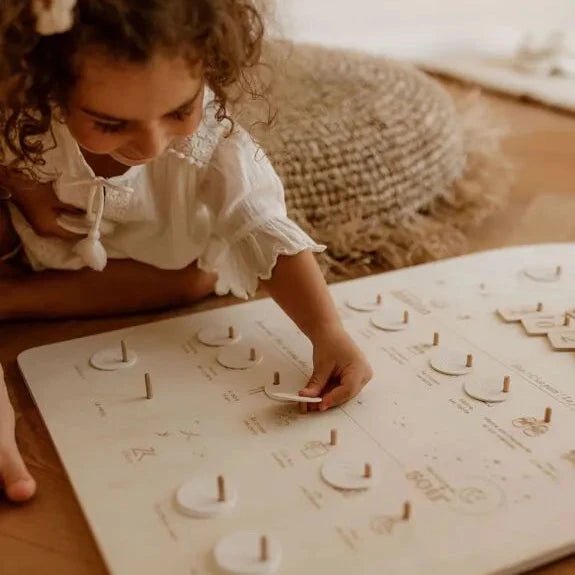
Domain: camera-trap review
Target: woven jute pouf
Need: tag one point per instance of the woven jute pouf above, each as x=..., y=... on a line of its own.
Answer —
x=378, y=162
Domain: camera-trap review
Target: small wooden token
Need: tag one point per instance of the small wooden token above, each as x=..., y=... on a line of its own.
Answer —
x=221, y=489
x=548, y=414
x=202, y=497
x=390, y=320
x=348, y=474
x=451, y=362
x=487, y=390
x=562, y=339
x=248, y=553
x=362, y=303
x=333, y=437
x=111, y=359
x=406, y=511
x=125, y=356
x=264, y=554
x=367, y=471
x=542, y=324
x=517, y=313
x=276, y=377
x=149, y=391
x=506, y=384
x=239, y=357
x=219, y=335
x=543, y=274
x=436, y=339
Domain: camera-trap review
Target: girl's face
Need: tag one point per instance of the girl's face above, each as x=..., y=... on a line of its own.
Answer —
x=132, y=112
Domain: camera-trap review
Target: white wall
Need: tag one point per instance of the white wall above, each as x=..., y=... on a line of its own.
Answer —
x=401, y=26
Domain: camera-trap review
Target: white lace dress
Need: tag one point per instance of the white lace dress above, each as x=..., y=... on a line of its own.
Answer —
x=209, y=198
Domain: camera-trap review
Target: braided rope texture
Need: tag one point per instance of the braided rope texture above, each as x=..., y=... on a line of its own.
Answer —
x=378, y=161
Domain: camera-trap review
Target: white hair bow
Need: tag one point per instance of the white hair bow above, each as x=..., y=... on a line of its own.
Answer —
x=53, y=16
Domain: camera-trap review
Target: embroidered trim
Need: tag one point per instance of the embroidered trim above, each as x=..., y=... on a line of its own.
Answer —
x=199, y=147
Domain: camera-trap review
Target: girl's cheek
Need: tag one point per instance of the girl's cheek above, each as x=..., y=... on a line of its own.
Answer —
x=93, y=140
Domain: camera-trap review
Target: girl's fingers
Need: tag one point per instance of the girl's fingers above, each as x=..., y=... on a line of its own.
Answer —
x=317, y=381
x=18, y=484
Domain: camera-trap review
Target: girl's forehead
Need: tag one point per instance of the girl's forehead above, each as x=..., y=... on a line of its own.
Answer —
x=145, y=90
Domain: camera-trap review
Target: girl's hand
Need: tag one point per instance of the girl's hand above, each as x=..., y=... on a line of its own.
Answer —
x=340, y=372
x=15, y=480
x=41, y=207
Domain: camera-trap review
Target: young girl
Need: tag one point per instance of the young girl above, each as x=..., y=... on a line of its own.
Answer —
x=121, y=163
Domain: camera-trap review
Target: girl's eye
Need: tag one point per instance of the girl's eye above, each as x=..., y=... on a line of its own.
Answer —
x=107, y=128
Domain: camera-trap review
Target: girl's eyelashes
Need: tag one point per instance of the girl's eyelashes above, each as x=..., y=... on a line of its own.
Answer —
x=116, y=128
x=107, y=128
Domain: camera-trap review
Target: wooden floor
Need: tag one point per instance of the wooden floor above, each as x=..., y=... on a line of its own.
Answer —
x=50, y=535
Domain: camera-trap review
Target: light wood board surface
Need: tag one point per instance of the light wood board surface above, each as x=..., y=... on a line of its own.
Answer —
x=490, y=484
x=50, y=535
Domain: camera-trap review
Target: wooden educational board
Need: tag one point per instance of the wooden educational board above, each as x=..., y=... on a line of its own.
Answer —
x=490, y=484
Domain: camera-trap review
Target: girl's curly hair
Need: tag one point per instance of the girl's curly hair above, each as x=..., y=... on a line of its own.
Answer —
x=37, y=74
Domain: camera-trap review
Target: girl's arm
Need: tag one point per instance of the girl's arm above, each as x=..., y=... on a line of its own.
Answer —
x=125, y=286
x=298, y=286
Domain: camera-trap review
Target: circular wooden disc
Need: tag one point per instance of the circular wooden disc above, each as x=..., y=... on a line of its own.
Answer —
x=199, y=498
x=490, y=391
x=348, y=473
x=449, y=361
x=218, y=336
x=110, y=359
x=240, y=554
x=284, y=396
x=362, y=303
x=238, y=357
x=389, y=320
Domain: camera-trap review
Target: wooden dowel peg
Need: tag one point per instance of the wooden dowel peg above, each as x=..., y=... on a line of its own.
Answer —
x=406, y=511
x=264, y=552
x=506, y=384
x=221, y=489
x=252, y=354
x=405, y=316
x=379, y=299
x=548, y=414
x=469, y=362
x=124, y=351
x=436, y=338
x=149, y=390
x=539, y=307
x=367, y=471
x=558, y=271
x=276, y=377
x=231, y=332
x=566, y=320
x=333, y=437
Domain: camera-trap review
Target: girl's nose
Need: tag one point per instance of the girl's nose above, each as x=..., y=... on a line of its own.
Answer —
x=151, y=141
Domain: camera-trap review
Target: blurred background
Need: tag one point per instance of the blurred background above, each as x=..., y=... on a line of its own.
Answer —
x=408, y=27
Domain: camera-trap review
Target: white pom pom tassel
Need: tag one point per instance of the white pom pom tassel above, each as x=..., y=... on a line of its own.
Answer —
x=90, y=249
x=92, y=252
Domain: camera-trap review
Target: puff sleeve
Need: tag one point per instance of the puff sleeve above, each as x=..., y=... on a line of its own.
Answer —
x=250, y=227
